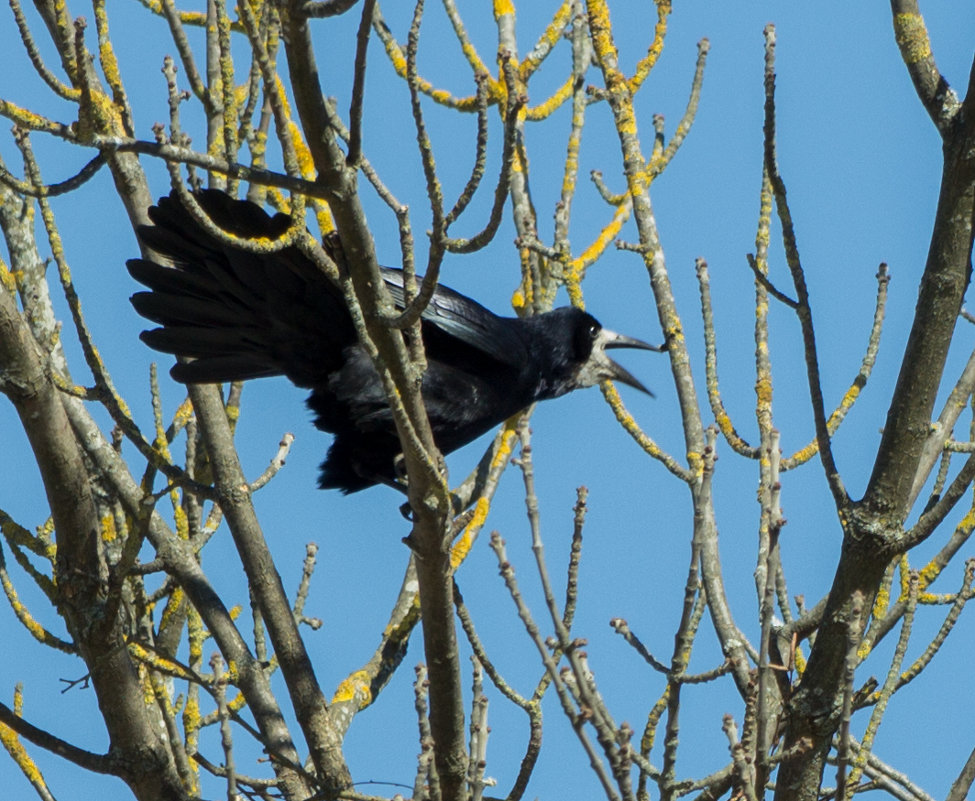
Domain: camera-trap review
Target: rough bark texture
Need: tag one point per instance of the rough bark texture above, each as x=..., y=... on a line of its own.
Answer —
x=86, y=597
x=873, y=528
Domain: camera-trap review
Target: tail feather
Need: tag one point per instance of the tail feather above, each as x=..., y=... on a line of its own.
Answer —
x=165, y=279
x=172, y=309
x=203, y=342
x=218, y=369
x=240, y=314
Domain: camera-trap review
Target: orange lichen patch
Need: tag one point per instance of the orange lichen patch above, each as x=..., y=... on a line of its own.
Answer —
x=171, y=612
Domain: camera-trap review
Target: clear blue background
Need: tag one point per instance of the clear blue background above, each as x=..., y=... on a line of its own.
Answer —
x=862, y=164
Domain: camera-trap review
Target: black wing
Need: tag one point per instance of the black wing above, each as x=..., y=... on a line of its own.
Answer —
x=463, y=320
x=246, y=315
x=238, y=314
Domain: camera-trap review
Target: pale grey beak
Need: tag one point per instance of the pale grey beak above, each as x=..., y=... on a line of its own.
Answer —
x=623, y=341
x=601, y=367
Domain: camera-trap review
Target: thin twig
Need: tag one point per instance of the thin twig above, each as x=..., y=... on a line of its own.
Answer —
x=359, y=83
x=802, y=308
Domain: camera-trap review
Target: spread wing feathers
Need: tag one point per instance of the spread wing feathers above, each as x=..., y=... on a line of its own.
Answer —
x=239, y=314
x=243, y=315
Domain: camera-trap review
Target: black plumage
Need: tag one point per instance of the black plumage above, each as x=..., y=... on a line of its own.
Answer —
x=243, y=315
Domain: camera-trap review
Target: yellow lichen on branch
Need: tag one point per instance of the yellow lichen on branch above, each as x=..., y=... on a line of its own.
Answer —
x=11, y=742
x=836, y=417
x=397, y=58
x=646, y=64
x=620, y=97
x=28, y=621
x=195, y=18
x=157, y=662
x=642, y=439
x=503, y=8
x=355, y=687
x=35, y=122
x=550, y=36
x=305, y=161
x=547, y=107
x=106, y=55
x=462, y=547
x=575, y=269
x=912, y=37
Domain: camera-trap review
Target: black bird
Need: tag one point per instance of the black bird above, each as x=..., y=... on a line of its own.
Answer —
x=243, y=315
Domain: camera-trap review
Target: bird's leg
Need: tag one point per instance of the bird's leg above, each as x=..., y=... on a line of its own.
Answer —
x=400, y=483
x=399, y=468
x=457, y=525
x=458, y=502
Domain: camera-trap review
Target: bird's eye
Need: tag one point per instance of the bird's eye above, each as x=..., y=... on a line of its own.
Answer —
x=593, y=331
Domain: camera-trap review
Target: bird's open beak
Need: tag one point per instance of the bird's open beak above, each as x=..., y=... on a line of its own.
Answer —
x=622, y=341
x=609, y=369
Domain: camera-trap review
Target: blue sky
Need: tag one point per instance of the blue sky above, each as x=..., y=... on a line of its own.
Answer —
x=862, y=164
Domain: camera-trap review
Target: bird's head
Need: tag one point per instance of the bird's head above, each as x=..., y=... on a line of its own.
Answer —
x=578, y=344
